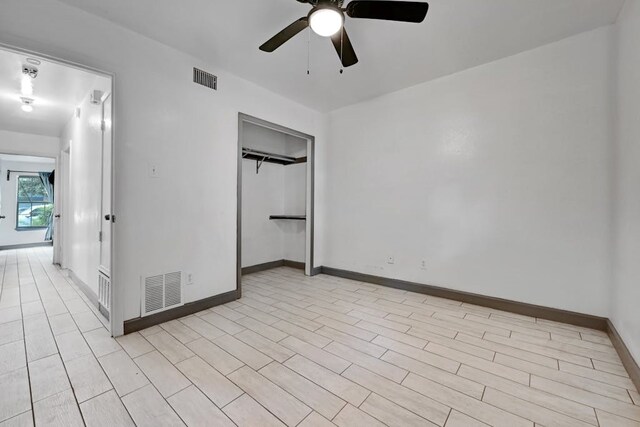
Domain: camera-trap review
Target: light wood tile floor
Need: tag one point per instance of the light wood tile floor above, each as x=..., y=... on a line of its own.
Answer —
x=298, y=351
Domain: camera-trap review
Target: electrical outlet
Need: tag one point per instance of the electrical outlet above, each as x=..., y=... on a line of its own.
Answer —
x=154, y=171
x=391, y=260
x=423, y=264
x=189, y=278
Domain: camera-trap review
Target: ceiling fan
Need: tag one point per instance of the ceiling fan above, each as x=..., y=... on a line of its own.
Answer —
x=326, y=19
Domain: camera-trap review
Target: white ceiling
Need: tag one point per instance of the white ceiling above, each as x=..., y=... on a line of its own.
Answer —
x=57, y=91
x=457, y=34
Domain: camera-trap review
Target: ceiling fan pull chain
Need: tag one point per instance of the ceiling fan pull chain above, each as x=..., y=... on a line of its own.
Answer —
x=341, y=46
x=308, y=50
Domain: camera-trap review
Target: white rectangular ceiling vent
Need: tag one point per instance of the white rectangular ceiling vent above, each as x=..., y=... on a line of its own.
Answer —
x=161, y=292
x=205, y=79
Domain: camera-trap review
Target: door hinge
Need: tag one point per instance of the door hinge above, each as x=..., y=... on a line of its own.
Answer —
x=103, y=125
x=99, y=236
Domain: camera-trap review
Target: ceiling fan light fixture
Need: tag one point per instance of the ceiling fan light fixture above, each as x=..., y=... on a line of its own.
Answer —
x=326, y=21
x=27, y=104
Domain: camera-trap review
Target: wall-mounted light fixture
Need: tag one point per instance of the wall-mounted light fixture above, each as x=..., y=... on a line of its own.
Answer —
x=30, y=71
x=96, y=97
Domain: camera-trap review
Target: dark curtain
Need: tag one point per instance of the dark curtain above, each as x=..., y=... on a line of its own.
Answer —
x=47, y=181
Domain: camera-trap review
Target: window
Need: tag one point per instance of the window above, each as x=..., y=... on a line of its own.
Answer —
x=34, y=205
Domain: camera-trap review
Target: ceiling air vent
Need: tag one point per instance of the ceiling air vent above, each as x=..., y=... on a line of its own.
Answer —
x=205, y=79
x=161, y=292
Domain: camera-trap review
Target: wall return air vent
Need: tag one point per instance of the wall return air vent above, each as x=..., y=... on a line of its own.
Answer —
x=161, y=292
x=205, y=79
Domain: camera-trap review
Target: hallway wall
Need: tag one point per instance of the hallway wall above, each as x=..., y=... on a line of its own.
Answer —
x=28, y=144
x=82, y=220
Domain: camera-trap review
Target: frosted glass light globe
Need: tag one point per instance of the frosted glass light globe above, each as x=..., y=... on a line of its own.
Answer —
x=326, y=22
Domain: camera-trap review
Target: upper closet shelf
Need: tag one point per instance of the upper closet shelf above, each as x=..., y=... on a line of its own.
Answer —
x=263, y=156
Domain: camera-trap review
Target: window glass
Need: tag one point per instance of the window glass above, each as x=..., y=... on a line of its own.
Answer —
x=34, y=205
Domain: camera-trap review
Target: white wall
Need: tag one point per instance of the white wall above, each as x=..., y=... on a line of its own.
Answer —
x=28, y=144
x=262, y=195
x=295, y=197
x=162, y=118
x=625, y=313
x=81, y=212
x=8, y=200
x=497, y=177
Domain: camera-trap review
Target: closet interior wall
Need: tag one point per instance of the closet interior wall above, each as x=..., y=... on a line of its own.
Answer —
x=273, y=189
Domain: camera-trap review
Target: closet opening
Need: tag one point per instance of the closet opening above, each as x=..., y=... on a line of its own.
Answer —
x=275, y=197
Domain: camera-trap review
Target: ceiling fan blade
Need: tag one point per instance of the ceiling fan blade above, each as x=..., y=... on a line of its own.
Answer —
x=283, y=36
x=405, y=11
x=344, y=48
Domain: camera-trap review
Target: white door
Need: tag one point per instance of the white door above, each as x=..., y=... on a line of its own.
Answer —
x=106, y=218
x=57, y=213
x=62, y=230
x=2, y=216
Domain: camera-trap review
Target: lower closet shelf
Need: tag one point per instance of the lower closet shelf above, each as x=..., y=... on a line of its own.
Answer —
x=293, y=217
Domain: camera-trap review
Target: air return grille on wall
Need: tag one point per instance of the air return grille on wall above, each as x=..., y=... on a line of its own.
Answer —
x=104, y=291
x=205, y=79
x=161, y=292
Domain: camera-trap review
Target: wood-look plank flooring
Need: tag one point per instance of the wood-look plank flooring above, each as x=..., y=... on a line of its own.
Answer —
x=298, y=351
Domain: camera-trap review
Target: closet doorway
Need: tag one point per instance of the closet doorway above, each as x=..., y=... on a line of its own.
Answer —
x=275, y=197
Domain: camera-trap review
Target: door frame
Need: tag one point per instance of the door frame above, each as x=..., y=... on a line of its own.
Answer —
x=102, y=181
x=116, y=315
x=62, y=189
x=310, y=196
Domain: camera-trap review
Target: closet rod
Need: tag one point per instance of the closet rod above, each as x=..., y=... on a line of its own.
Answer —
x=264, y=156
x=251, y=151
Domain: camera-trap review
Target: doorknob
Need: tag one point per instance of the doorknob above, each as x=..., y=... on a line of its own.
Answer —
x=57, y=216
x=2, y=217
x=107, y=217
